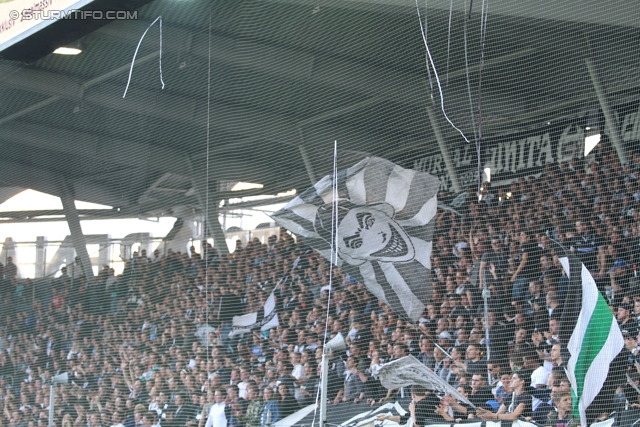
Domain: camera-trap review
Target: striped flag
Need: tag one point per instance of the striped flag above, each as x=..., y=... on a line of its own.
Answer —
x=385, y=219
x=264, y=319
x=594, y=338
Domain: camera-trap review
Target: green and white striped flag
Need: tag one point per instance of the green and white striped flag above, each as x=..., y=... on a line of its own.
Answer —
x=596, y=338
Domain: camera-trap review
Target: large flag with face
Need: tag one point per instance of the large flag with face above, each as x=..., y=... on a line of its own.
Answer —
x=385, y=218
x=591, y=332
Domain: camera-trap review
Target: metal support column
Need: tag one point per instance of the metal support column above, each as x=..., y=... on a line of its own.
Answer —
x=323, y=387
x=219, y=239
x=444, y=150
x=9, y=250
x=212, y=223
x=612, y=125
x=52, y=400
x=305, y=159
x=41, y=254
x=67, y=198
x=104, y=257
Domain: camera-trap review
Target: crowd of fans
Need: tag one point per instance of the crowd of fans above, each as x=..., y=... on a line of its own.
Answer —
x=152, y=347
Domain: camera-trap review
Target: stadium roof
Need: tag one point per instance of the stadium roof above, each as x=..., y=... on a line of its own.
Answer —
x=281, y=80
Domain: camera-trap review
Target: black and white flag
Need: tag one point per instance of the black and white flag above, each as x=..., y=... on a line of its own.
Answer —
x=385, y=220
x=264, y=319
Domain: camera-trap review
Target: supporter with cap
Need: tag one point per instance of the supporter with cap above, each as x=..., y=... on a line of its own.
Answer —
x=445, y=340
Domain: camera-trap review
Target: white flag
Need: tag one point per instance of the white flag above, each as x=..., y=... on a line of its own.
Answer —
x=408, y=371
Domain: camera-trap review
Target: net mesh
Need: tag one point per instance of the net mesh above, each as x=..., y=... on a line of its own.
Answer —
x=484, y=153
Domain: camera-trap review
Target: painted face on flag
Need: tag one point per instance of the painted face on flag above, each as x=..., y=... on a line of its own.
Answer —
x=369, y=233
x=380, y=229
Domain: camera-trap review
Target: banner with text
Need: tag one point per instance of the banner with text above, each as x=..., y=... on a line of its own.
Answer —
x=514, y=154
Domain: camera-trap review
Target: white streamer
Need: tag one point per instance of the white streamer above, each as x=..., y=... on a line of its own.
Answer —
x=426, y=45
x=159, y=18
x=449, y=39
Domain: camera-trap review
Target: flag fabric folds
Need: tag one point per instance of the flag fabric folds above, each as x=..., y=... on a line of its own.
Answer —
x=408, y=371
x=595, y=340
x=263, y=319
x=385, y=218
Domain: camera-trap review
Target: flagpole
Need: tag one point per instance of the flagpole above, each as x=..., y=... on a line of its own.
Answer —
x=632, y=384
x=441, y=349
x=594, y=326
x=293, y=267
x=324, y=379
x=485, y=297
x=564, y=332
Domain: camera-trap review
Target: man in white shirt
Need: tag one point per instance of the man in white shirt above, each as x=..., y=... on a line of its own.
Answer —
x=538, y=376
x=245, y=376
x=116, y=419
x=298, y=369
x=297, y=373
x=217, y=416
